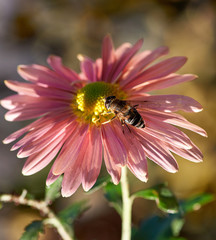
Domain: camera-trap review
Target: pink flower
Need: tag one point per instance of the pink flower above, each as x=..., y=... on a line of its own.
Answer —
x=74, y=125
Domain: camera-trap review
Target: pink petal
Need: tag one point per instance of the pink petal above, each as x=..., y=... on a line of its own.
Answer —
x=193, y=154
x=51, y=178
x=8, y=102
x=98, y=67
x=121, y=63
x=108, y=57
x=122, y=49
x=73, y=174
x=144, y=58
x=70, y=150
x=113, y=169
x=24, y=102
x=41, y=159
x=92, y=159
x=12, y=137
x=115, y=148
x=33, y=90
x=56, y=63
x=16, y=100
x=182, y=122
x=71, y=180
x=138, y=169
x=35, y=109
x=139, y=62
x=24, y=88
x=164, y=82
x=174, y=119
x=32, y=135
x=137, y=162
x=158, y=153
x=158, y=70
x=115, y=155
x=41, y=126
x=167, y=133
x=168, y=103
x=42, y=76
x=88, y=69
x=36, y=124
x=55, y=134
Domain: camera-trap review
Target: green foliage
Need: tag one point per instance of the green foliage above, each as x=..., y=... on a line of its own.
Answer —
x=168, y=227
x=101, y=182
x=69, y=214
x=164, y=198
x=113, y=195
x=177, y=238
x=52, y=192
x=32, y=231
x=196, y=202
x=157, y=228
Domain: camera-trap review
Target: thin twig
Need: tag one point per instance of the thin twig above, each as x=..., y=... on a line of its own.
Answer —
x=42, y=207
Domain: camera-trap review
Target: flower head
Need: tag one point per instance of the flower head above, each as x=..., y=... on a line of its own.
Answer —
x=74, y=125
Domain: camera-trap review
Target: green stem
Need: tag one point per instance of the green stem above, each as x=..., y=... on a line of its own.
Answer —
x=126, y=206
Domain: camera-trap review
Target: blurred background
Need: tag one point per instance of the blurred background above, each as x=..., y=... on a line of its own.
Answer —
x=31, y=30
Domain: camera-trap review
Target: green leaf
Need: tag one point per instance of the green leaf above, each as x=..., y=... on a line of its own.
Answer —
x=101, y=182
x=177, y=238
x=69, y=214
x=155, y=228
x=176, y=225
x=158, y=228
x=149, y=194
x=196, y=202
x=32, y=231
x=164, y=198
x=114, y=196
x=52, y=192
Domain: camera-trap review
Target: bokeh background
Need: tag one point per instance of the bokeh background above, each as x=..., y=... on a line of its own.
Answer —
x=31, y=30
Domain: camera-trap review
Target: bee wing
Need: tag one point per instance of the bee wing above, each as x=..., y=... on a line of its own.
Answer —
x=144, y=104
x=168, y=103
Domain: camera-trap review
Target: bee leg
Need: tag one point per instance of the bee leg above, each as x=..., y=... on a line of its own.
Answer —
x=128, y=127
x=105, y=113
x=136, y=105
x=97, y=122
x=109, y=120
x=123, y=123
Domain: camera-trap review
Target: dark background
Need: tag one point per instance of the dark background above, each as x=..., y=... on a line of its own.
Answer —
x=31, y=30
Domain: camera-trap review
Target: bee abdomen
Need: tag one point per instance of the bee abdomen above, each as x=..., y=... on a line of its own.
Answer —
x=140, y=124
x=135, y=120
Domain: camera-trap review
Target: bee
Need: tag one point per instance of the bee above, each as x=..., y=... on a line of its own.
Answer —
x=124, y=111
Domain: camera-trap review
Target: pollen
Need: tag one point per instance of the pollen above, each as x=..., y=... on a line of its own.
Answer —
x=80, y=101
x=100, y=106
x=89, y=103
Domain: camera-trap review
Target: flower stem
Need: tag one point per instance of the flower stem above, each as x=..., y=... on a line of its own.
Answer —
x=42, y=206
x=126, y=206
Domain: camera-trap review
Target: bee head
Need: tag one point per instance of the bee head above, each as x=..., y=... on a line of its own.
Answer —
x=109, y=100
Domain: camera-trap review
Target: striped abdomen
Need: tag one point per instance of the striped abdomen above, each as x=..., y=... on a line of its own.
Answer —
x=134, y=118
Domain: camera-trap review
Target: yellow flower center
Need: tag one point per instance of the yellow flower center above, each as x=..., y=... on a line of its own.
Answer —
x=89, y=103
